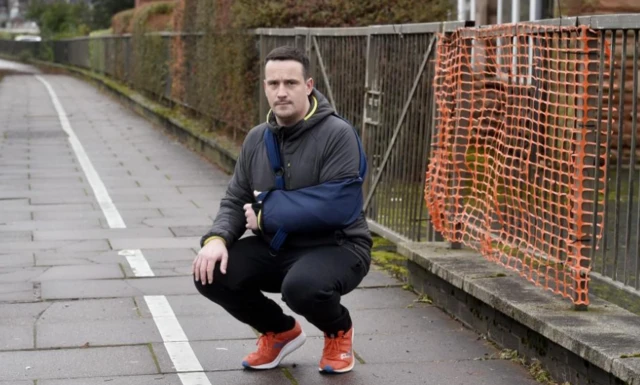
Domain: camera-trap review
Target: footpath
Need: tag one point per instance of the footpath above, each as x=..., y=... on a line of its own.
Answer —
x=101, y=213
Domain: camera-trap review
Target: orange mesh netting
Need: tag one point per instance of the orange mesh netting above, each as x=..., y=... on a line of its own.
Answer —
x=513, y=172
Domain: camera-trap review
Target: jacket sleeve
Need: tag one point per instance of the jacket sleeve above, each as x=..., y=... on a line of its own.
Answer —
x=333, y=204
x=230, y=222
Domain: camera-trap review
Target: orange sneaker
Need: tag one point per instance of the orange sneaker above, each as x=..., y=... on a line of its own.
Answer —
x=337, y=356
x=273, y=347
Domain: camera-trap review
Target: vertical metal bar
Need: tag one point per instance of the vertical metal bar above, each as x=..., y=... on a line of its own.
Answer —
x=532, y=16
x=262, y=98
x=608, y=150
x=515, y=18
x=616, y=236
x=586, y=161
x=365, y=116
x=472, y=10
x=598, y=154
x=499, y=18
x=463, y=113
x=632, y=160
x=325, y=76
x=461, y=10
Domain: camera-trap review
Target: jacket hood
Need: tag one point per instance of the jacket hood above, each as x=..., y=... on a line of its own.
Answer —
x=319, y=109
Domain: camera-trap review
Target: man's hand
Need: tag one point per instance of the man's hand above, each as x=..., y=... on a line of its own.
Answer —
x=252, y=220
x=213, y=252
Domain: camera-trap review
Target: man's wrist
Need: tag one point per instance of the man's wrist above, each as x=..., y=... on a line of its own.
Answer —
x=211, y=238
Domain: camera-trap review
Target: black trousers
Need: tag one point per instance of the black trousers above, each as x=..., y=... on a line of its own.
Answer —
x=311, y=281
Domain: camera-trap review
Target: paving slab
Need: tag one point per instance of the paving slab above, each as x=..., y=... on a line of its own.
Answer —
x=155, y=243
x=431, y=373
x=87, y=289
x=74, y=363
x=215, y=327
x=97, y=333
x=180, y=221
x=193, y=211
x=376, y=278
x=244, y=377
x=213, y=355
x=20, y=274
x=16, y=337
x=84, y=214
x=413, y=346
x=15, y=236
x=63, y=235
x=91, y=310
x=54, y=258
x=190, y=231
x=13, y=216
x=18, y=291
x=164, y=285
x=139, y=215
x=178, y=206
x=81, y=272
x=74, y=245
x=51, y=225
x=168, y=255
x=190, y=305
x=16, y=260
x=156, y=379
x=58, y=209
x=22, y=310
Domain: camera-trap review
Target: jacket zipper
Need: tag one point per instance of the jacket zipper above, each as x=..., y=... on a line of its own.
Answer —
x=285, y=169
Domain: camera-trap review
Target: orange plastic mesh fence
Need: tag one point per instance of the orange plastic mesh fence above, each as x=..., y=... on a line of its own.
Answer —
x=513, y=172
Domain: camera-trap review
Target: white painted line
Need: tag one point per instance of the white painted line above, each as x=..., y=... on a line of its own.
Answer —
x=165, y=319
x=183, y=357
x=198, y=378
x=104, y=200
x=175, y=340
x=138, y=263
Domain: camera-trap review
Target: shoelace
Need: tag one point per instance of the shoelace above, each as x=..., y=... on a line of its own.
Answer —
x=266, y=342
x=334, y=347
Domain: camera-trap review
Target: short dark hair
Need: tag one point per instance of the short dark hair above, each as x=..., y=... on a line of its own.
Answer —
x=290, y=53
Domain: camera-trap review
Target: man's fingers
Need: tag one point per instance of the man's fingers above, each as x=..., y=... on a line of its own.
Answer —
x=203, y=271
x=210, y=266
x=196, y=268
x=223, y=262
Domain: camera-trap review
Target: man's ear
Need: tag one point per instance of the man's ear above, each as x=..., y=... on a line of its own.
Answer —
x=309, y=86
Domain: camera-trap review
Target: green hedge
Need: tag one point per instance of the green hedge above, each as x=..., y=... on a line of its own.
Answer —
x=217, y=74
x=214, y=70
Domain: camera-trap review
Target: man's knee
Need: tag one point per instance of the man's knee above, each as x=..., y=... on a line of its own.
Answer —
x=213, y=290
x=303, y=295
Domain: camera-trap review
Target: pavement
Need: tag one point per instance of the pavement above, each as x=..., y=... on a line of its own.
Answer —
x=101, y=214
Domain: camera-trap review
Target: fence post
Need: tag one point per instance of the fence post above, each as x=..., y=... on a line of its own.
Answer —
x=587, y=170
x=464, y=118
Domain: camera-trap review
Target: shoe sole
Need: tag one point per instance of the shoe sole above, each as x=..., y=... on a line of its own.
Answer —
x=330, y=370
x=289, y=348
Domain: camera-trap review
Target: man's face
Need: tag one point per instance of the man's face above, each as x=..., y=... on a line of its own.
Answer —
x=287, y=90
